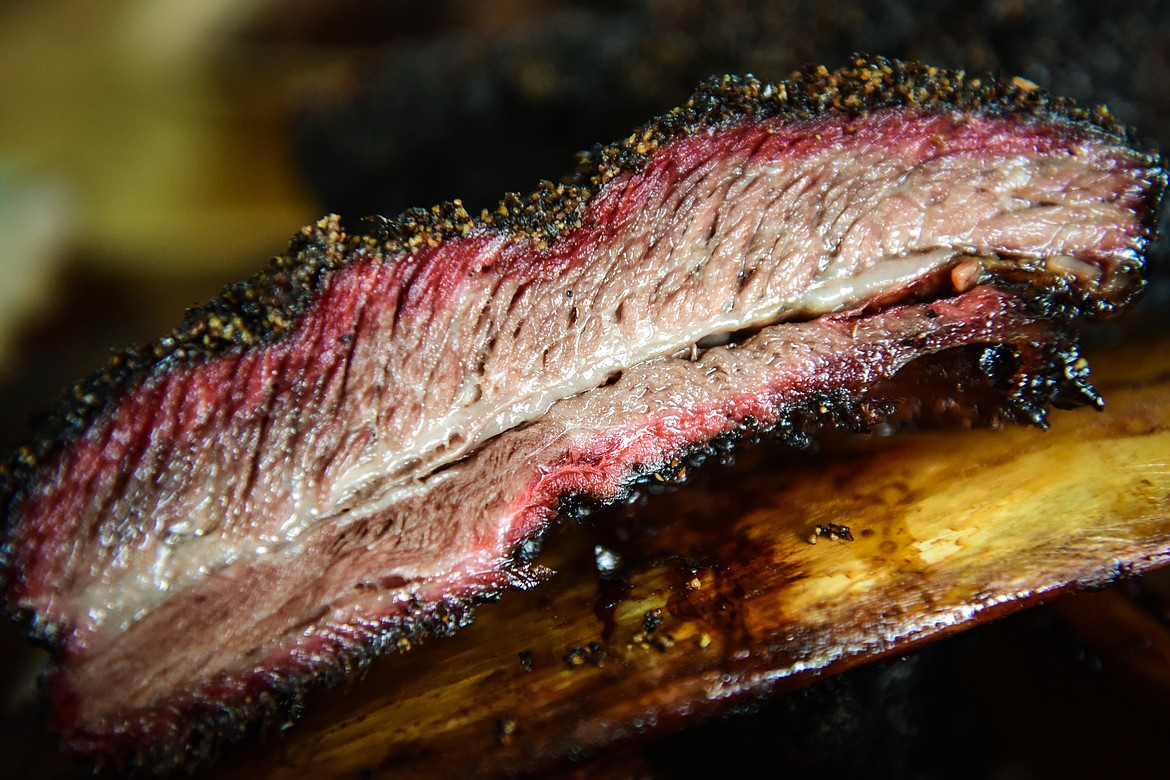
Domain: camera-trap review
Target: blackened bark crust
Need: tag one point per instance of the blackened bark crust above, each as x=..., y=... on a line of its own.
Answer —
x=263, y=308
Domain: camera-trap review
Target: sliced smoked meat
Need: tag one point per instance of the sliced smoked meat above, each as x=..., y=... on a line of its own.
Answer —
x=341, y=455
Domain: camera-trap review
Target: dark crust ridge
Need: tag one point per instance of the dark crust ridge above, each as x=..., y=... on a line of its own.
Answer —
x=263, y=308
x=205, y=727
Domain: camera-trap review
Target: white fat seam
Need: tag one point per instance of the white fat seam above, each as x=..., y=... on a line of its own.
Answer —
x=469, y=428
x=838, y=294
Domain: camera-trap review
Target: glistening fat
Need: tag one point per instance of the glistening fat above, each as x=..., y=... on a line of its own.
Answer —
x=341, y=455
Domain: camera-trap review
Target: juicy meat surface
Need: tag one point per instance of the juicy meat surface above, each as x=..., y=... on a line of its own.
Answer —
x=352, y=447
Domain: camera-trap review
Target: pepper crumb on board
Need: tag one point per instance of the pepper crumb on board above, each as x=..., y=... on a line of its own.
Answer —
x=652, y=620
x=578, y=656
x=831, y=531
x=650, y=636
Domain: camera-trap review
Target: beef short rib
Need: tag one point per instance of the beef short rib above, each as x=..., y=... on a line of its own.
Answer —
x=341, y=455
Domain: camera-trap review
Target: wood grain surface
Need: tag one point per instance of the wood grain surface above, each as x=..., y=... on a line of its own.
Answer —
x=951, y=528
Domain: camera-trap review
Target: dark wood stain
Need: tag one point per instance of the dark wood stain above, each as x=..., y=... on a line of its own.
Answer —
x=743, y=606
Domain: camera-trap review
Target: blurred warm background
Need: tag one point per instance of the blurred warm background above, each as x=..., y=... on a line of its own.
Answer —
x=144, y=161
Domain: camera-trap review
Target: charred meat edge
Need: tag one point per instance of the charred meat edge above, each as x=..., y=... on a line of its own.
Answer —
x=263, y=310
x=265, y=307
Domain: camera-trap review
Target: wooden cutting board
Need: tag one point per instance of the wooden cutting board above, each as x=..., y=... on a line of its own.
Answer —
x=673, y=609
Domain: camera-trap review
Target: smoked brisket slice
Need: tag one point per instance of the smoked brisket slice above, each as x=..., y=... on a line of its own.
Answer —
x=343, y=454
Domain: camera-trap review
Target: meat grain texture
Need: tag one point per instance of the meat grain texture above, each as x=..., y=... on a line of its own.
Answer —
x=340, y=456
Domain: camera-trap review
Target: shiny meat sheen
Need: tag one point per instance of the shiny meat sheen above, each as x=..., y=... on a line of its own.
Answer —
x=348, y=584
x=245, y=512
x=406, y=364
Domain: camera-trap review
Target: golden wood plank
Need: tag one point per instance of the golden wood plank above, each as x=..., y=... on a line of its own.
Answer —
x=951, y=528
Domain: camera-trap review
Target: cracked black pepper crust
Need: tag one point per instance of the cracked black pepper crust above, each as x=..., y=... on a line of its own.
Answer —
x=261, y=309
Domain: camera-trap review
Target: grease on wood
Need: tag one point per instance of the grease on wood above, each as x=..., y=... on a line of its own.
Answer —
x=949, y=528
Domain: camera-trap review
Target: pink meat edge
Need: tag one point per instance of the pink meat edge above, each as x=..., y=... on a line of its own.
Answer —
x=333, y=650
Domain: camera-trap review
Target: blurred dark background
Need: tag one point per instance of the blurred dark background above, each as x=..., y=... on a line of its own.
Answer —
x=455, y=112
